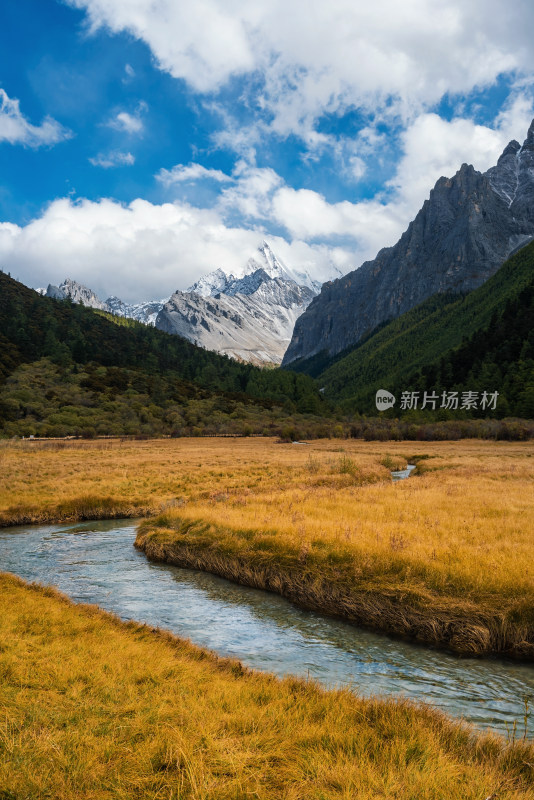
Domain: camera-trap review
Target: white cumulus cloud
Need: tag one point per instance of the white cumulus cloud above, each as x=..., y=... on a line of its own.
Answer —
x=307, y=215
x=113, y=159
x=203, y=42
x=192, y=172
x=126, y=122
x=251, y=193
x=16, y=129
x=310, y=58
x=129, y=123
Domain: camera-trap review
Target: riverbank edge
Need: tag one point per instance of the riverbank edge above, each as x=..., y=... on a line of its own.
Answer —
x=225, y=663
x=78, y=510
x=475, y=634
x=460, y=740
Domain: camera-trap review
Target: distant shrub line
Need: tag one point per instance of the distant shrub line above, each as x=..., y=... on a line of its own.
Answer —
x=383, y=430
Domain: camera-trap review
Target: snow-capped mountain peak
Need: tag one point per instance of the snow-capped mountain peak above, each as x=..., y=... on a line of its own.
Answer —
x=213, y=283
x=250, y=317
x=145, y=312
x=248, y=314
x=264, y=265
x=266, y=260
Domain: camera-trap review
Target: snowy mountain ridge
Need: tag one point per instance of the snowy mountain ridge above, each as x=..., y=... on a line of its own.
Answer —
x=249, y=316
x=142, y=312
x=265, y=260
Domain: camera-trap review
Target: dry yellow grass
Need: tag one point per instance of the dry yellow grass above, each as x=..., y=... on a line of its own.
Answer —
x=471, y=523
x=445, y=556
x=96, y=709
x=53, y=481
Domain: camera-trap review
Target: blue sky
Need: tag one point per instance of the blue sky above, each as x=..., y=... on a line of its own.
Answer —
x=146, y=142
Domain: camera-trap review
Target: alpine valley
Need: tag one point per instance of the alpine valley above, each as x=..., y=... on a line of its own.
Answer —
x=450, y=306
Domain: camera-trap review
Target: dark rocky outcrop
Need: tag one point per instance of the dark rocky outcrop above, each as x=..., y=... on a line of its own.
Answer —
x=468, y=227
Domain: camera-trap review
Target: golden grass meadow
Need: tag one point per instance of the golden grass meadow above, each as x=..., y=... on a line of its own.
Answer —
x=156, y=717
x=445, y=557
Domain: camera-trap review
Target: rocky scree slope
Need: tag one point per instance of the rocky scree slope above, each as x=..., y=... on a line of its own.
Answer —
x=250, y=318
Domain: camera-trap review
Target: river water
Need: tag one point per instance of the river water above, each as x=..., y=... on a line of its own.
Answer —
x=95, y=562
x=401, y=474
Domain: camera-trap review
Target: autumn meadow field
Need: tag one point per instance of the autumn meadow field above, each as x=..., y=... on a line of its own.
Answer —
x=444, y=558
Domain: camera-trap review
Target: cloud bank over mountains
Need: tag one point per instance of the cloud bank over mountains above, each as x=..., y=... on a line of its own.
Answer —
x=145, y=249
x=388, y=97
x=133, y=251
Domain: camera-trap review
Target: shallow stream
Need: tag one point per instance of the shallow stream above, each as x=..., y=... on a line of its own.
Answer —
x=95, y=562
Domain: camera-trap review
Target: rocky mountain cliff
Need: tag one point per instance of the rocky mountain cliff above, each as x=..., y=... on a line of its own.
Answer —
x=255, y=326
x=76, y=292
x=468, y=227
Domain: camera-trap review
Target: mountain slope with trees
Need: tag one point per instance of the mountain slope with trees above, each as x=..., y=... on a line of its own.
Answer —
x=68, y=369
x=463, y=233
x=448, y=342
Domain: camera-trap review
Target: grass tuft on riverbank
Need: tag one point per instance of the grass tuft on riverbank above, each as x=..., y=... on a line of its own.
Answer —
x=96, y=708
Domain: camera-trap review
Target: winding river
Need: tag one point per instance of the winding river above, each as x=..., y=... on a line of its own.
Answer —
x=95, y=562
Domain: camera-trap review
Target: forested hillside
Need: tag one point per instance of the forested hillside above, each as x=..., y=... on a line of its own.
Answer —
x=497, y=357
x=66, y=369
x=480, y=341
